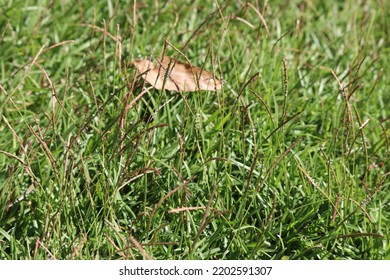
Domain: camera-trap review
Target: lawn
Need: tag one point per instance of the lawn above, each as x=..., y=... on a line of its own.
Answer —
x=289, y=160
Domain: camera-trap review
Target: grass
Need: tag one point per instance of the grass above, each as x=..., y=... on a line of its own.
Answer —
x=288, y=161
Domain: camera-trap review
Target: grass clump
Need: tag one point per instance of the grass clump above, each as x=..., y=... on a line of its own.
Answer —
x=287, y=161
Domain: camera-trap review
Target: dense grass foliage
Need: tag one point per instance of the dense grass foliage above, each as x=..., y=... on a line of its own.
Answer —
x=288, y=161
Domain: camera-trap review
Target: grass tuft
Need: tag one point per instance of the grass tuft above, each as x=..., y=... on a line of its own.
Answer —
x=287, y=161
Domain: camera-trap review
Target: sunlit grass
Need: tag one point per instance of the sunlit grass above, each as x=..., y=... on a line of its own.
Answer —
x=287, y=161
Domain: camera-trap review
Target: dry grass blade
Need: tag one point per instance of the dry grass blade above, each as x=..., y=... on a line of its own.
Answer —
x=173, y=75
